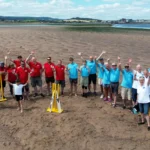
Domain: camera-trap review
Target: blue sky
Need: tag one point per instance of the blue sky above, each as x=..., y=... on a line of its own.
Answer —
x=100, y=9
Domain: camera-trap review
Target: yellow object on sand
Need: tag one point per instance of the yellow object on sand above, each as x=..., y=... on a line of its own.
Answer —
x=2, y=99
x=55, y=105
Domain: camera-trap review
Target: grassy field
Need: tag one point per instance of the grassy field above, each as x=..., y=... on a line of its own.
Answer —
x=104, y=28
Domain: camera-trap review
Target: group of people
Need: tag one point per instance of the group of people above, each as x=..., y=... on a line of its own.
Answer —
x=135, y=84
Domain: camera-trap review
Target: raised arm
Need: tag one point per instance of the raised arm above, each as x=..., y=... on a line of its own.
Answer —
x=103, y=52
x=6, y=63
x=29, y=58
x=119, y=64
x=80, y=54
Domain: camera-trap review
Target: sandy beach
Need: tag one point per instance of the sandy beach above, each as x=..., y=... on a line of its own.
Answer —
x=85, y=124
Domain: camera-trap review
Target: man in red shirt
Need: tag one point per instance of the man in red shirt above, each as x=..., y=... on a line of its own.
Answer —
x=11, y=74
x=35, y=73
x=22, y=74
x=49, y=68
x=60, y=75
x=3, y=73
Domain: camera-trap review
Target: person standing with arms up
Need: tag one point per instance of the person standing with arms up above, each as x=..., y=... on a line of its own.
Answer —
x=35, y=74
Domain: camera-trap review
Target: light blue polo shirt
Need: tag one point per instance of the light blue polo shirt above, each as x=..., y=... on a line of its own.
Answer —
x=84, y=71
x=100, y=70
x=106, y=76
x=114, y=75
x=73, y=70
x=92, y=66
x=149, y=70
x=127, y=79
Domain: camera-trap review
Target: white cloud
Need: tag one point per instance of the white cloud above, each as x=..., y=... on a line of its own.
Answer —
x=68, y=9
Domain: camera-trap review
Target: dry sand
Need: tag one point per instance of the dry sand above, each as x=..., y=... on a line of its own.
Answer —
x=86, y=124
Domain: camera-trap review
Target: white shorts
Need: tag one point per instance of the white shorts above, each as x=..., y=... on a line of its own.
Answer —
x=100, y=81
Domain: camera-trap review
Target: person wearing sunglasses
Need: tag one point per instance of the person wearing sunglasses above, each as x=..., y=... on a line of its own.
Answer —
x=126, y=84
x=114, y=80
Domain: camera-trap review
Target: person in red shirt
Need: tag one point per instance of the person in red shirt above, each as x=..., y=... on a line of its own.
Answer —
x=60, y=75
x=22, y=74
x=49, y=68
x=17, y=61
x=35, y=74
x=11, y=74
x=3, y=72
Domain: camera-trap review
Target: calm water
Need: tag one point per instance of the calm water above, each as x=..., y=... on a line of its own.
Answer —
x=135, y=26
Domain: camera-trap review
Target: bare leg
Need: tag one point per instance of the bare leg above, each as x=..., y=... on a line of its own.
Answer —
x=75, y=89
x=71, y=88
x=21, y=107
x=148, y=120
x=35, y=89
x=101, y=88
x=94, y=86
x=48, y=88
x=89, y=87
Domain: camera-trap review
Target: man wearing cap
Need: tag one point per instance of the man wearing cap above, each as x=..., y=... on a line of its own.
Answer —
x=49, y=69
x=127, y=80
x=22, y=74
x=114, y=80
x=35, y=74
x=72, y=69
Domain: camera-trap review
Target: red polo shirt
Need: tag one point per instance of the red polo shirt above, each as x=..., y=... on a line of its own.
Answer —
x=35, y=69
x=23, y=74
x=48, y=69
x=11, y=75
x=1, y=70
x=17, y=62
x=60, y=72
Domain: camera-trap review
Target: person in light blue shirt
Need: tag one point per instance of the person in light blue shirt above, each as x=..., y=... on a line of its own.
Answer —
x=84, y=70
x=127, y=80
x=72, y=69
x=100, y=66
x=106, y=82
x=114, y=79
x=149, y=70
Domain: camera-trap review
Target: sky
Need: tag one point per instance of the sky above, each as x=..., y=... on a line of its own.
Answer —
x=64, y=9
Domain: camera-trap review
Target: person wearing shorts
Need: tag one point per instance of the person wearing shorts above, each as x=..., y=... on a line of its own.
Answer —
x=84, y=70
x=60, y=75
x=18, y=87
x=114, y=81
x=127, y=80
x=49, y=69
x=72, y=69
x=137, y=73
x=22, y=74
x=35, y=74
x=144, y=100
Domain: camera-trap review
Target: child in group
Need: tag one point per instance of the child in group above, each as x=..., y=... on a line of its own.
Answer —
x=18, y=92
x=84, y=70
